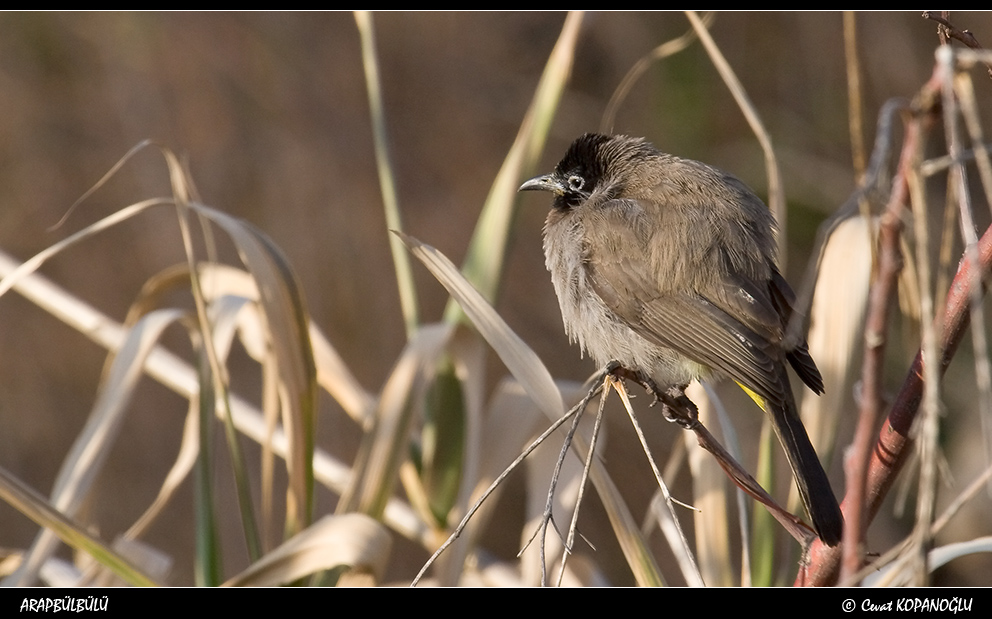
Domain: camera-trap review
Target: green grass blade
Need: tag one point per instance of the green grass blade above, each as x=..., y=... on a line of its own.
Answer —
x=387, y=181
x=206, y=567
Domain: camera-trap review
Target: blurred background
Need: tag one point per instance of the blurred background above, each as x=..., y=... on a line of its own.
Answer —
x=271, y=111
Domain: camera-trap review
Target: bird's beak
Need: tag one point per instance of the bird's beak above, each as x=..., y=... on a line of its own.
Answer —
x=546, y=182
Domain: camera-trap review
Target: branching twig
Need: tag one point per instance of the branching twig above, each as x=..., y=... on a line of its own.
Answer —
x=506, y=472
x=793, y=525
x=586, y=468
x=548, y=517
x=683, y=412
x=686, y=415
x=946, y=30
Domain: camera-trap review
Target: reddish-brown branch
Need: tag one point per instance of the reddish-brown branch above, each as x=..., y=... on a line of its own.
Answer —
x=894, y=443
x=869, y=480
x=822, y=564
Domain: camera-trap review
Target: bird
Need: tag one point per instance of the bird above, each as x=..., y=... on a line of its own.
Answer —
x=665, y=268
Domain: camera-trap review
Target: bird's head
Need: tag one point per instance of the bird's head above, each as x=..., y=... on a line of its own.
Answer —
x=593, y=163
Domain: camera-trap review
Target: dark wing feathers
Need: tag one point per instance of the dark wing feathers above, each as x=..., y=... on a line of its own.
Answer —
x=800, y=359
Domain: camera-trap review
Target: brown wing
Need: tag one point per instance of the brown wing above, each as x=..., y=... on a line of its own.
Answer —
x=733, y=324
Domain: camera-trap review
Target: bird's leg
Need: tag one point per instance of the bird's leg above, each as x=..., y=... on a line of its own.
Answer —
x=619, y=371
x=675, y=406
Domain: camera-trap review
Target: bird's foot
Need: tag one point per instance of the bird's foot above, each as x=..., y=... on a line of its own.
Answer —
x=675, y=406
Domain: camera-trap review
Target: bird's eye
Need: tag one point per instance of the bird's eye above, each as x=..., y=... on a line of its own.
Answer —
x=576, y=182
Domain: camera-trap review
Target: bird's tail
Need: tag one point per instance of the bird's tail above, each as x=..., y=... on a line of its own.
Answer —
x=811, y=479
x=814, y=487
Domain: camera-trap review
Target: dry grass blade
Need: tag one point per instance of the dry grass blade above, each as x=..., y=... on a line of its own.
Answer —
x=484, y=259
x=35, y=507
x=776, y=194
x=214, y=389
x=13, y=276
x=522, y=362
x=354, y=540
x=666, y=49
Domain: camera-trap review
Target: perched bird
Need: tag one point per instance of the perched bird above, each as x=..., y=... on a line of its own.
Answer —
x=667, y=267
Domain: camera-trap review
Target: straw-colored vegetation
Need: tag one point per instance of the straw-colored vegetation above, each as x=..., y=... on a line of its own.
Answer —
x=448, y=422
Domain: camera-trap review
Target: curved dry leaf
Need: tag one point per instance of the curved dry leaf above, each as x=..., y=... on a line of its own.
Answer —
x=155, y=289
x=378, y=464
x=333, y=373
x=837, y=327
x=92, y=446
x=947, y=553
x=31, y=265
x=282, y=303
x=354, y=540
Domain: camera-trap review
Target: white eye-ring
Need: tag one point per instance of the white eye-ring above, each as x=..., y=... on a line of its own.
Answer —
x=576, y=182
